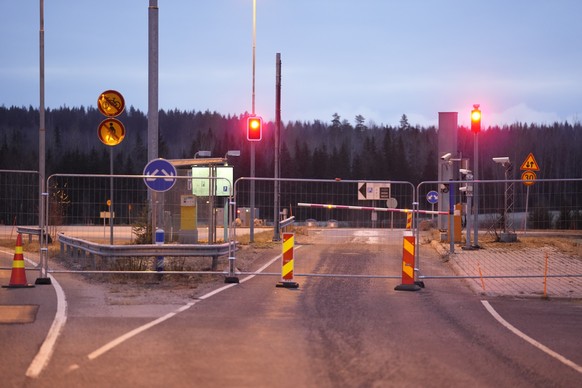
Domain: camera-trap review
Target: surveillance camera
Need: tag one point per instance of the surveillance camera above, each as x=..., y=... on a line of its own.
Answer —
x=464, y=171
x=446, y=157
x=501, y=160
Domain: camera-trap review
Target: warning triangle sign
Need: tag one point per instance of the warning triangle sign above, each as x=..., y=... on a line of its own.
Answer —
x=530, y=163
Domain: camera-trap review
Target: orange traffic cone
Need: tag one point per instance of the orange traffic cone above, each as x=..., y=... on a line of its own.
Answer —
x=18, y=277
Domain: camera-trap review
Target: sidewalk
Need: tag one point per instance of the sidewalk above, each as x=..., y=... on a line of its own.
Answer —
x=510, y=260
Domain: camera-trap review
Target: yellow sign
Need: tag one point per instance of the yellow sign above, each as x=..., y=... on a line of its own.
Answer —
x=530, y=163
x=111, y=132
x=111, y=103
x=528, y=177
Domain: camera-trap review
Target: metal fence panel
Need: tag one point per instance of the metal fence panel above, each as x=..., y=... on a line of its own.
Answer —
x=327, y=192
x=19, y=198
x=544, y=220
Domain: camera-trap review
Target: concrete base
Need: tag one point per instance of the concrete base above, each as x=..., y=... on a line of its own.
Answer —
x=188, y=237
x=45, y=281
x=408, y=287
x=508, y=237
x=287, y=285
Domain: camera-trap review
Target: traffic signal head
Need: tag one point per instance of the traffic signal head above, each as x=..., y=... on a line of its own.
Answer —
x=254, y=128
x=476, y=119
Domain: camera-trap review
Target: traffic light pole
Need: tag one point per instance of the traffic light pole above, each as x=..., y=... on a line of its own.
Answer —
x=252, y=223
x=476, y=192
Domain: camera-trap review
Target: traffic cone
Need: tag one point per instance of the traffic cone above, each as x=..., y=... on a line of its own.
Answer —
x=18, y=277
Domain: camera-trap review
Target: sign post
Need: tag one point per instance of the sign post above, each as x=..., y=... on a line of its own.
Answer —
x=111, y=132
x=160, y=178
x=432, y=197
x=528, y=177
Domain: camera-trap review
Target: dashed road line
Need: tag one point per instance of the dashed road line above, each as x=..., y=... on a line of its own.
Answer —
x=119, y=340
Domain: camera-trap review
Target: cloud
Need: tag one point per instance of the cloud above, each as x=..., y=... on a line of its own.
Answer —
x=522, y=113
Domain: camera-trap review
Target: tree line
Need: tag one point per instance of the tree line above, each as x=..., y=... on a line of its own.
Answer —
x=331, y=149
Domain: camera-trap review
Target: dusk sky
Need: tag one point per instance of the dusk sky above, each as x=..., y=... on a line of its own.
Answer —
x=521, y=60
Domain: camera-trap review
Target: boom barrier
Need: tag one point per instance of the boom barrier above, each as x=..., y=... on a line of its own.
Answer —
x=369, y=208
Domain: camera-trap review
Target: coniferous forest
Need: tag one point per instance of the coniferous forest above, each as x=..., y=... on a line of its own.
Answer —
x=336, y=148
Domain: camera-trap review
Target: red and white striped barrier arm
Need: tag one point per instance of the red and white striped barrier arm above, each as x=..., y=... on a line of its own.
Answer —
x=369, y=208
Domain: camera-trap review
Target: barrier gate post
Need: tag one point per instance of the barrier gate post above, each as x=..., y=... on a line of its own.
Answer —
x=408, y=245
x=287, y=262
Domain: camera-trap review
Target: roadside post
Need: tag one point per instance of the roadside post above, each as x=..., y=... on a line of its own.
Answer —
x=408, y=250
x=159, y=241
x=287, y=262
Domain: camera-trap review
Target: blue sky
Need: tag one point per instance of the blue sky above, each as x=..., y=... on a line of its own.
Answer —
x=520, y=59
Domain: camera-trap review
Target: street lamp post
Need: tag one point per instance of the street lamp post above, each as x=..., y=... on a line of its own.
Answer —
x=42, y=220
x=277, y=172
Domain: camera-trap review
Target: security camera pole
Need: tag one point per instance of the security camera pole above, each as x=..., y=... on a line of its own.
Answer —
x=447, y=146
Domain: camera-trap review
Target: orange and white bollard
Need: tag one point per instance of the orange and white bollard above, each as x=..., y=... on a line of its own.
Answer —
x=408, y=283
x=287, y=262
x=18, y=276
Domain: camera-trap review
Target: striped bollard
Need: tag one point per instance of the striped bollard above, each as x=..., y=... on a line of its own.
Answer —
x=409, y=220
x=408, y=283
x=287, y=262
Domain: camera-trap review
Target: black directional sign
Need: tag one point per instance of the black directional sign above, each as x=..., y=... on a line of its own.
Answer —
x=373, y=190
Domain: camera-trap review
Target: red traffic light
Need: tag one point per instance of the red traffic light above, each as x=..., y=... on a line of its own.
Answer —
x=254, y=128
x=476, y=119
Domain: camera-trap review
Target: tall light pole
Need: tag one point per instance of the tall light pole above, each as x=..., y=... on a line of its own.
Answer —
x=43, y=254
x=252, y=224
x=276, y=229
x=153, y=114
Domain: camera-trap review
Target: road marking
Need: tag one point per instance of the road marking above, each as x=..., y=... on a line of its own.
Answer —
x=119, y=340
x=107, y=347
x=535, y=343
x=47, y=348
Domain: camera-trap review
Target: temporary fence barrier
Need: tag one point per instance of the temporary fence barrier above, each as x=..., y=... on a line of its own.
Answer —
x=519, y=223
x=19, y=199
x=77, y=205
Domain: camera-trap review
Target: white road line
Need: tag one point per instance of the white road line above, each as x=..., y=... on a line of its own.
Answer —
x=107, y=347
x=535, y=343
x=47, y=348
x=119, y=340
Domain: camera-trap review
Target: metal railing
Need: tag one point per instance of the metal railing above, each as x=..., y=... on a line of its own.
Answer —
x=70, y=244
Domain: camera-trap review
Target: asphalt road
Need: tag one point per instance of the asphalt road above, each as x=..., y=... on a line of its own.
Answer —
x=332, y=331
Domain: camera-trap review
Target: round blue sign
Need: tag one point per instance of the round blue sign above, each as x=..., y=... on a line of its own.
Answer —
x=161, y=175
x=432, y=197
